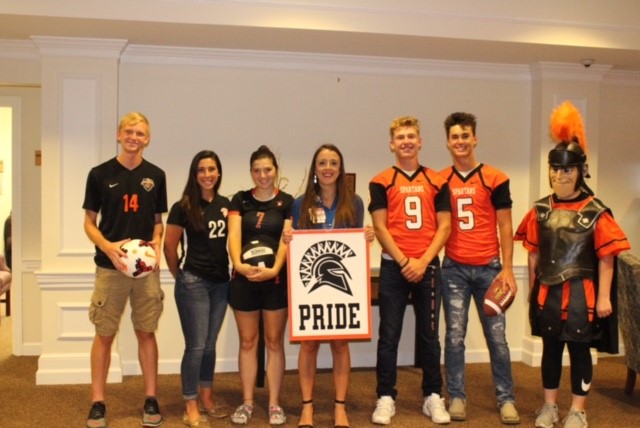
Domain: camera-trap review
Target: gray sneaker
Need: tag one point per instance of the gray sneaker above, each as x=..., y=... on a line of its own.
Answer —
x=547, y=416
x=97, y=415
x=575, y=419
x=151, y=416
x=458, y=409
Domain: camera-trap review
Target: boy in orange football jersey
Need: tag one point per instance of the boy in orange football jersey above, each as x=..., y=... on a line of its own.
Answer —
x=411, y=214
x=481, y=210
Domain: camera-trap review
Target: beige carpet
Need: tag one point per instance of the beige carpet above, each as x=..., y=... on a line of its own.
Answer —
x=23, y=404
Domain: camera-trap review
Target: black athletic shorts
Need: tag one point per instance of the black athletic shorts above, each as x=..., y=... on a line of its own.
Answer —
x=250, y=296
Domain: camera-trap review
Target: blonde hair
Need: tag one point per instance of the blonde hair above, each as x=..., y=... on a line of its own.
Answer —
x=403, y=121
x=133, y=118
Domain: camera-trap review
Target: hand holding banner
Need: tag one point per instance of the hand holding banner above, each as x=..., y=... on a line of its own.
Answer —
x=329, y=285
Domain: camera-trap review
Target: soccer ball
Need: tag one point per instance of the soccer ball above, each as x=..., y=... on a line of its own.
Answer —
x=140, y=258
x=256, y=253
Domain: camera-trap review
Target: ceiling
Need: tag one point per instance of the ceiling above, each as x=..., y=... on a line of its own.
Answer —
x=370, y=31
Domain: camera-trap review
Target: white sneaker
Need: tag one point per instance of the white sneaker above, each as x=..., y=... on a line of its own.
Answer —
x=385, y=410
x=434, y=408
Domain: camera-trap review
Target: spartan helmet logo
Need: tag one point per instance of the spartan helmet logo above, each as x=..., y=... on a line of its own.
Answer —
x=322, y=265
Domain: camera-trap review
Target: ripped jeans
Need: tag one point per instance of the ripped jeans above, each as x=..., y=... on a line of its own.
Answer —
x=460, y=282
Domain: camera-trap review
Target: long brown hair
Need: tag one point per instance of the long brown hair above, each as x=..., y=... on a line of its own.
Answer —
x=192, y=193
x=345, y=209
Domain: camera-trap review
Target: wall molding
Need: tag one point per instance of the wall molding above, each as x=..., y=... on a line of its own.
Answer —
x=226, y=58
x=235, y=58
x=77, y=47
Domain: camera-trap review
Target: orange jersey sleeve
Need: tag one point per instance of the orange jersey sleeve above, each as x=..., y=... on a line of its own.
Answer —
x=527, y=232
x=609, y=237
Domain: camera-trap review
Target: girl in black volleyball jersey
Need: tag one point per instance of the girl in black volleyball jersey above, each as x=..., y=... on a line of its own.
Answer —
x=260, y=214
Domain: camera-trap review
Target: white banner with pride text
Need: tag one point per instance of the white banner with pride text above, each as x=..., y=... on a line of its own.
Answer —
x=329, y=285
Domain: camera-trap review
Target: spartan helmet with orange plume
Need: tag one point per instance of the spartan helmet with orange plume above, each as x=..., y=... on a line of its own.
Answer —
x=567, y=130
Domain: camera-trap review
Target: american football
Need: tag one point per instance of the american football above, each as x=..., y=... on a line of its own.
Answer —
x=497, y=298
x=140, y=258
x=256, y=253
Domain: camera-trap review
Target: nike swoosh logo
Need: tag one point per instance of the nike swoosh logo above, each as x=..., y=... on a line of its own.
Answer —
x=113, y=185
x=585, y=386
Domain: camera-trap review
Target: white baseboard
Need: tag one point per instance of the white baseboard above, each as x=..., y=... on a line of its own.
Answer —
x=68, y=369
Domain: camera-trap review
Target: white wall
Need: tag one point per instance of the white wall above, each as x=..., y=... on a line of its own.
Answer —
x=6, y=131
x=234, y=109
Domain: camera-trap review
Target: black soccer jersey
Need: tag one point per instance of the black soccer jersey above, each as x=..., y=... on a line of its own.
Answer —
x=262, y=220
x=127, y=201
x=206, y=251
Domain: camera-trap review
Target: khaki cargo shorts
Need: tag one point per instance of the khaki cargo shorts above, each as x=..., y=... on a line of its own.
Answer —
x=112, y=289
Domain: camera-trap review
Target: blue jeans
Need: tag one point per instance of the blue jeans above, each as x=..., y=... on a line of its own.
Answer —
x=202, y=306
x=460, y=282
x=393, y=296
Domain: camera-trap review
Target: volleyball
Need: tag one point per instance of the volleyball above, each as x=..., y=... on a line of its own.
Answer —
x=256, y=253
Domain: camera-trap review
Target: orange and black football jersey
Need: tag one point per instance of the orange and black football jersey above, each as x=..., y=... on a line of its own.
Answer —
x=411, y=203
x=474, y=201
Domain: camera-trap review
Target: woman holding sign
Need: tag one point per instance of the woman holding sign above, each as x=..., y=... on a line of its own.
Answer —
x=328, y=203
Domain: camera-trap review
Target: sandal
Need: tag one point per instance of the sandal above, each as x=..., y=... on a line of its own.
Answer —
x=304, y=403
x=242, y=414
x=343, y=403
x=276, y=415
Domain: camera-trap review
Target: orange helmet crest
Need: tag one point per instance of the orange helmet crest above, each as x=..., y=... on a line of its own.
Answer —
x=567, y=125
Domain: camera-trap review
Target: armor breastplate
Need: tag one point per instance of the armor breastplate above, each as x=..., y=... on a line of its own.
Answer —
x=566, y=245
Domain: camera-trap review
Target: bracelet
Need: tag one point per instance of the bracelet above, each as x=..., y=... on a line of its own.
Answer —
x=402, y=265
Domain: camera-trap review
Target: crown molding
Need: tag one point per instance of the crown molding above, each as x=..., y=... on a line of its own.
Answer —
x=79, y=47
x=143, y=54
x=139, y=54
x=19, y=49
x=622, y=77
x=569, y=71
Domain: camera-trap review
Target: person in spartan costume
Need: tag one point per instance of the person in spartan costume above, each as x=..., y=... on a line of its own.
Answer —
x=572, y=240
